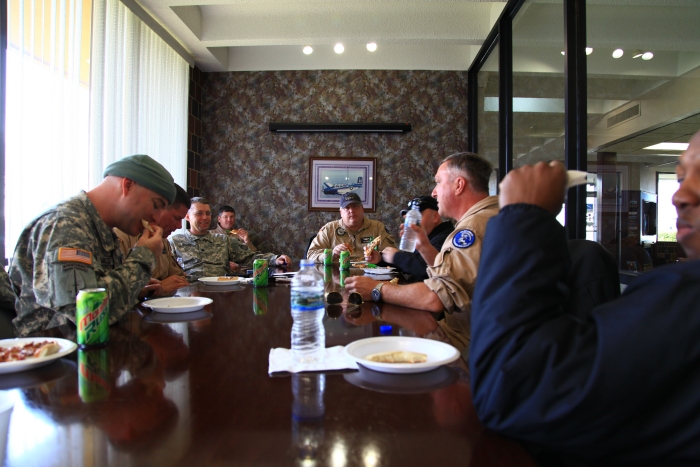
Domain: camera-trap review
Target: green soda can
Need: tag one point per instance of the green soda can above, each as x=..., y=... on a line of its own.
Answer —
x=344, y=260
x=92, y=318
x=93, y=375
x=344, y=273
x=260, y=273
x=327, y=257
x=260, y=301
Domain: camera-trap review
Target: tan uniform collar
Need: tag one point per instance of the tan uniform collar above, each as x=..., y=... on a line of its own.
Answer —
x=485, y=203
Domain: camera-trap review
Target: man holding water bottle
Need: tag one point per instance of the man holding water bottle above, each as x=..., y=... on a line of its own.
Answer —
x=462, y=192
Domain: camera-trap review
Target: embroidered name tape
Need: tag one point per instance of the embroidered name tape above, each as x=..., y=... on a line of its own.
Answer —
x=74, y=255
x=464, y=239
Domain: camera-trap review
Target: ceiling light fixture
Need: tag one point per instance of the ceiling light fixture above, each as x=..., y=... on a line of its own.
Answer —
x=308, y=49
x=589, y=50
x=647, y=56
x=637, y=53
x=371, y=46
x=668, y=147
x=618, y=53
x=339, y=49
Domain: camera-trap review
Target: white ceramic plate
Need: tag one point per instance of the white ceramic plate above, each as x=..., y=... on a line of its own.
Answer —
x=438, y=353
x=375, y=271
x=177, y=304
x=216, y=281
x=22, y=365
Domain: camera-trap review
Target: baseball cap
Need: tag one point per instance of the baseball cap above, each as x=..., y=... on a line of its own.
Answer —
x=423, y=202
x=349, y=198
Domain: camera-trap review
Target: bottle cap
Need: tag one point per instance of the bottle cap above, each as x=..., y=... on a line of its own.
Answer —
x=385, y=329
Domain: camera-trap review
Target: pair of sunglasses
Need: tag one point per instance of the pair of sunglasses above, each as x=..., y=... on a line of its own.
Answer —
x=333, y=298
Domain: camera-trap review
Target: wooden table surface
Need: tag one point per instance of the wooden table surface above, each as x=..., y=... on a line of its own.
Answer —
x=199, y=393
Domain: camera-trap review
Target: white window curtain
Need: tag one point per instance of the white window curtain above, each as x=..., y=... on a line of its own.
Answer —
x=47, y=108
x=138, y=98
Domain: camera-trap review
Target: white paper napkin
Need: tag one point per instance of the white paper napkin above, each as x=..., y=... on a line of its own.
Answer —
x=335, y=359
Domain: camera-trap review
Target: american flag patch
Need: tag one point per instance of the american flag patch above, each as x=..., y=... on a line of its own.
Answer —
x=74, y=255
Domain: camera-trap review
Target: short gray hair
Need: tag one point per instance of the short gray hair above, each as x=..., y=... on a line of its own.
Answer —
x=200, y=200
x=473, y=167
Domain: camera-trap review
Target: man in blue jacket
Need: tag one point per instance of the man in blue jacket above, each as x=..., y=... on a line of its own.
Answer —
x=619, y=386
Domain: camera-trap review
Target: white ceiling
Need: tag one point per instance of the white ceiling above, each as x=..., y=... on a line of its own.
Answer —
x=256, y=35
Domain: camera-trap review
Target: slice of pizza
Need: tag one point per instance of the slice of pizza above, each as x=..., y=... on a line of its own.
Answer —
x=371, y=245
x=46, y=348
x=399, y=356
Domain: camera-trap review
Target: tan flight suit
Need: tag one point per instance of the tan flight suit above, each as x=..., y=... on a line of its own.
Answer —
x=166, y=265
x=453, y=274
x=335, y=233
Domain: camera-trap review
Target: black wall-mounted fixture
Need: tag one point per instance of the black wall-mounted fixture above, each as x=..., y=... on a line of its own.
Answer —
x=280, y=127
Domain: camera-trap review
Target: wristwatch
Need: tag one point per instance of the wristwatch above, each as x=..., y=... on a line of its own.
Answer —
x=377, y=312
x=377, y=292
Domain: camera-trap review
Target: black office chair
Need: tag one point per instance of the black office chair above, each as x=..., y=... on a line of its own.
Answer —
x=306, y=253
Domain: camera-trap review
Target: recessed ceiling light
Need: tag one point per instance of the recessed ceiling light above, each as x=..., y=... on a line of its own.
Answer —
x=589, y=50
x=647, y=56
x=371, y=46
x=669, y=147
x=339, y=49
x=618, y=53
x=637, y=53
x=308, y=49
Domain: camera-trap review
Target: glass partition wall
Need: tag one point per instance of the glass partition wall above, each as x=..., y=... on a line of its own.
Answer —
x=612, y=108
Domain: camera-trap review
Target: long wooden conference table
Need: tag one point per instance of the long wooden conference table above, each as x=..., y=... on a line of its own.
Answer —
x=194, y=389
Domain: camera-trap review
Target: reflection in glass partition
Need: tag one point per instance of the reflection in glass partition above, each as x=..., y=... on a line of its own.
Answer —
x=487, y=141
x=642, y=92
x=308, y=411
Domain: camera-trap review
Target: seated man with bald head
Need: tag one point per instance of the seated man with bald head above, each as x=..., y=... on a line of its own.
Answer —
x=72, y=246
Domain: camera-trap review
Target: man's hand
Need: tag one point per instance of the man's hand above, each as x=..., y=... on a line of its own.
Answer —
x=340, y=247
x=152, y=241
x=170, y=284
x=232, y=265
x=374, y=257
x=283, y=260
x=362, y=285
x=542, y=184
x=152, y=289
x=388, y=254
x=242, y=235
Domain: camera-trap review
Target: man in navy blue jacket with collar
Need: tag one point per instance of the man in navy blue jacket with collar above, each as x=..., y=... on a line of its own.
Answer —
x=620, y=386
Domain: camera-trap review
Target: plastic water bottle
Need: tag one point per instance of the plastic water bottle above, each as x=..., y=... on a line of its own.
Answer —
x=308, y=333
x=408, y=239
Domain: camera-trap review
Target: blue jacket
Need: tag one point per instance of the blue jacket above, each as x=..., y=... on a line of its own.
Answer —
x=620, y=386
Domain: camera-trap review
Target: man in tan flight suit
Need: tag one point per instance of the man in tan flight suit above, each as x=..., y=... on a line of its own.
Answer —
x=351, y=233
x=461, y=188
x=168, y=275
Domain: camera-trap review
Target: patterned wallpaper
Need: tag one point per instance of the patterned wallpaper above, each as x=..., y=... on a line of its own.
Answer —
x=264, y=175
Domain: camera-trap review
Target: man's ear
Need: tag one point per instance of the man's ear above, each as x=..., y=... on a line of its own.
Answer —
x=126, y=186
x=460, y=184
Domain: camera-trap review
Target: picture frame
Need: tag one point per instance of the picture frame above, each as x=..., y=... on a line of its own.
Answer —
x=331, y=177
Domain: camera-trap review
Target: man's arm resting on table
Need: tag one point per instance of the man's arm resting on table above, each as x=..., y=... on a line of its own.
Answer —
x=413, y=296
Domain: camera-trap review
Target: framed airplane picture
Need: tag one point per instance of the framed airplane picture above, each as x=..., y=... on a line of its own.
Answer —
x=332, y=177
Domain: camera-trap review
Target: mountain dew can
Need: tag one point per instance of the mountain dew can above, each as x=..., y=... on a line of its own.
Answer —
x=328, y=257
x=344, y=260
x=92, y=318
x=260, y=301
x=260, y=273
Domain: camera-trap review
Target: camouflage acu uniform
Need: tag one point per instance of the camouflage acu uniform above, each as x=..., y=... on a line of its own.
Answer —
x=222, y=231
x=208, y=255
x=68, y=248
x=166, y=265
x=335, y=232
x=7, y=297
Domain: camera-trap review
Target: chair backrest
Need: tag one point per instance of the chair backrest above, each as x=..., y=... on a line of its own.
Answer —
x=306, y=253
x=594, y=277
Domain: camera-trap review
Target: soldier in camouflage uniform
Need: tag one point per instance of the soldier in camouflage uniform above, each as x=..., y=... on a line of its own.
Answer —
x=351, y=233
x=168, y=274
x=7, y=306
x=71, y=246
x=204, y=254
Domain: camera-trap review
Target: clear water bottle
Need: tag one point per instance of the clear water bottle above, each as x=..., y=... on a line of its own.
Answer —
x=308, y=333
x=408, y=239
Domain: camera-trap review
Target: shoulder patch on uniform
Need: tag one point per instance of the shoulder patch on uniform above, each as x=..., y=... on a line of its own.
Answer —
x=340, y=231
x=74, y=255
x=464, y=239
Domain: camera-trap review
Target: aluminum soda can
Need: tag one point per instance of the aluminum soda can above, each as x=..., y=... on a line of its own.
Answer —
x=260, y=273
x=328, y=257
x=344, y=260
x=93, y=375
x=92, y=318
x=260, y=301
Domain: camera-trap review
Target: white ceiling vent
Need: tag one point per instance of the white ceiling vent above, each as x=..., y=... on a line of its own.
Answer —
x=627, y=114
